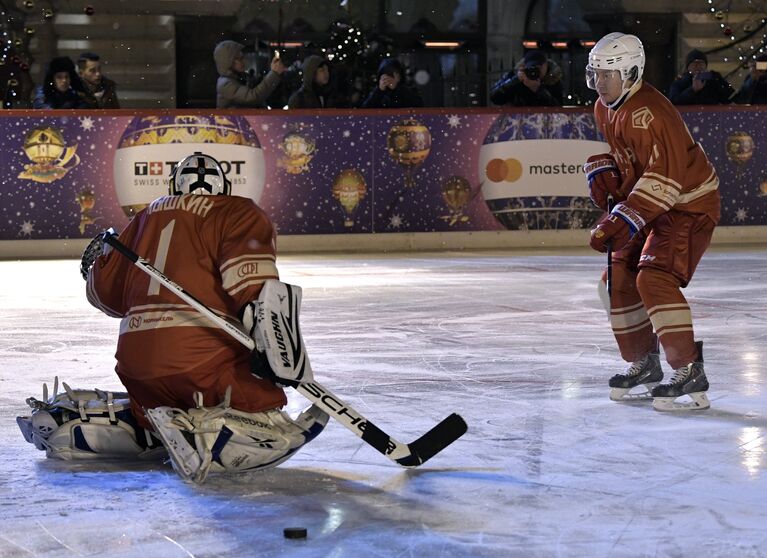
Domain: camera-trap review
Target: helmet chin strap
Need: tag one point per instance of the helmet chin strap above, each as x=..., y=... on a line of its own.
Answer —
x=616, y=104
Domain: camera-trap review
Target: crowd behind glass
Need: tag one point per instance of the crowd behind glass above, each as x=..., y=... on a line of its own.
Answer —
x=535, y=81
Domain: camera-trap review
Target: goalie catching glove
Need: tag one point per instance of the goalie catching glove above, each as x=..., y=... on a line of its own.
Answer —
x=272, y=322
x=604, y=179
x=95, y=248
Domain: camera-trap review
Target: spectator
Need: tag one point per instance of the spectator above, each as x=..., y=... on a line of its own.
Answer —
x=536, y=82
x=315, y=91
x=391, y=90
x=61, y=88
x=100, y=92
x=235, y=88
x=698, y=85
x=754, y=88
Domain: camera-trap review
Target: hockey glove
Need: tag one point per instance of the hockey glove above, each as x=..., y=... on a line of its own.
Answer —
x=604, y=179
x=615, y=229
x=95, y=248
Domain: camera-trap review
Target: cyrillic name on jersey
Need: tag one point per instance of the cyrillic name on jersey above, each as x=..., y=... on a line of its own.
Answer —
x=199, y=205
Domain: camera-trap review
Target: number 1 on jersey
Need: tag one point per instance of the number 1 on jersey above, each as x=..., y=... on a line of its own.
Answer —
x=162, y=255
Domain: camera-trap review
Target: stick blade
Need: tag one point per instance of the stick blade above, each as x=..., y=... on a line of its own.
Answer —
x=434, y=441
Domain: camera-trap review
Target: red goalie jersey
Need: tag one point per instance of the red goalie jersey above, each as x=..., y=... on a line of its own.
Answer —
x=219, y=248
x=661, y=166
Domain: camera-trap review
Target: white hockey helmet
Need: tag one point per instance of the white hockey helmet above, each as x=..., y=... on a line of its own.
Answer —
x=617, y=51
x=199, y=174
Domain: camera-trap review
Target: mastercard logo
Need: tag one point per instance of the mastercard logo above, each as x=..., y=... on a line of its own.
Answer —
x=503, y=170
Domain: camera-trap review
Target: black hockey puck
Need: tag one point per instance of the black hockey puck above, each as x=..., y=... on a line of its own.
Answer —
x=294, y=532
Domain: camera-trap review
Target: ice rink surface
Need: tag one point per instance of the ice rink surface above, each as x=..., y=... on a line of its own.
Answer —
x=517, y=344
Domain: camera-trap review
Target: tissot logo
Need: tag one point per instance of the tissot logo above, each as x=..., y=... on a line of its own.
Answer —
x=159, y=168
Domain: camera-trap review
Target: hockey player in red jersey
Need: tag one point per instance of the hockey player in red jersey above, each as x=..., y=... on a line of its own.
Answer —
x=667, y=207
x=187, y=380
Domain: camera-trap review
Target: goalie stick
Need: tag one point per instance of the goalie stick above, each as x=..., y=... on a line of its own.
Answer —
x=408, y=455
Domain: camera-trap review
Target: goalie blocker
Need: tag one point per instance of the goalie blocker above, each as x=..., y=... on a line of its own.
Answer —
x=272, y=322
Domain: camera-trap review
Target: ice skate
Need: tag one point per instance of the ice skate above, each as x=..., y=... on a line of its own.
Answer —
x=641, y=377
x=688, y=380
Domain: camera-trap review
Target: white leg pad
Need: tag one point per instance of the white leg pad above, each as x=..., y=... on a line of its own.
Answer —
x=86, y=424
x=221, y=439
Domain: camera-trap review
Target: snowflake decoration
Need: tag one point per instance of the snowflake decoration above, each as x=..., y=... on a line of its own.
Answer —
x=453, y=120
x=86, y=123
x=27, y=228
x=347, y=133
x=299, y=214
x=740, y=215
x=395, y=221
x=265, y=127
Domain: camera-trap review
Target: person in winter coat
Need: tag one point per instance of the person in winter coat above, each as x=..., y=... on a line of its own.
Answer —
x=754, y=88
x=61, y=88
x=391, y=90
x=234, y=87
x=698, y=85
x=315, y=91
x=99, y=91
x=536, y=82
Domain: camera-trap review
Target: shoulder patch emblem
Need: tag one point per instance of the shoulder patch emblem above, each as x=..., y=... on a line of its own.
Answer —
x=641, y=118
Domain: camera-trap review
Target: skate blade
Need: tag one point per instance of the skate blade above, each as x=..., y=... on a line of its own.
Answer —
x=698, y=402
x=25, y=425
x=155, y=417
x=625, y=394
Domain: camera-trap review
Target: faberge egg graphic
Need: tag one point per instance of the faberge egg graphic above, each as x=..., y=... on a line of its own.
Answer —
x=151, y=146
x=531, y=170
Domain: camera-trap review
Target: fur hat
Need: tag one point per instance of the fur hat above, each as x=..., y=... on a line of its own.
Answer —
x=61, y=64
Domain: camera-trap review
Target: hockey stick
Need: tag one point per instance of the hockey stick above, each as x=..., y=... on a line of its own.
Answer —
x=609, y=281
x=408, y=455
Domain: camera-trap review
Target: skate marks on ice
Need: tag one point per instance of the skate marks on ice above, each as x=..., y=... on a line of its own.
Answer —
x=344, y=514
x=518, y=345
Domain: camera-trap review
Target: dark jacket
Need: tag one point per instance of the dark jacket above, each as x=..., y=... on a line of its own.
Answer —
x=103, y=96
x=48, y=97
x=509, y=90
x=753, y=92
x=310, y=95
x=236, y=89
x=401, y=96
x=70, y=99
x=716, y=91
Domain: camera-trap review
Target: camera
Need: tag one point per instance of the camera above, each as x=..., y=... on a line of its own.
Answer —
x=533, y=72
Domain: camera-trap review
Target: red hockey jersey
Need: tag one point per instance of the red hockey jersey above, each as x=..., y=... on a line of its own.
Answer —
x=219, y=248
x=661, y=166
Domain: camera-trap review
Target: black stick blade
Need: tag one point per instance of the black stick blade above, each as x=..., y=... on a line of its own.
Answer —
x=434, y=441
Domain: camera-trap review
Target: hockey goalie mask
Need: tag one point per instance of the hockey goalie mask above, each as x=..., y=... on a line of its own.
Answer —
x=619, y=52
x=199, y=174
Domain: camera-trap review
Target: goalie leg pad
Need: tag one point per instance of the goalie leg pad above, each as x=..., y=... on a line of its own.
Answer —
x=222, y=439
x=87, y=424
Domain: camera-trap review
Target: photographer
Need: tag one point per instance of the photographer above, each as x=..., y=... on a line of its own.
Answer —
x=754, y=88
x=536, y=82
x=391, y=90
x=698, y=85
x=235, y=88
